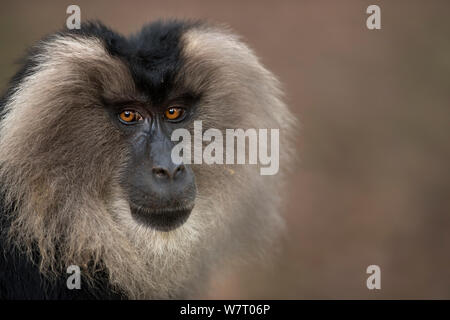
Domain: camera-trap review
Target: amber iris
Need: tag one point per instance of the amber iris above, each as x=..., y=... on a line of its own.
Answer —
x=174, y=113
x=129, y=116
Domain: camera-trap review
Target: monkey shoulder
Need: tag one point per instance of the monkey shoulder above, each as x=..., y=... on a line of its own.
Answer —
x=20, y=278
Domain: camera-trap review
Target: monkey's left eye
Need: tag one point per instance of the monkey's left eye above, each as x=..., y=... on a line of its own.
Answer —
x=174, y=114
x=130, y=117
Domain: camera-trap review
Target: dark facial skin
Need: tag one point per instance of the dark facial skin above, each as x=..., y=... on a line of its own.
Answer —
x=161, y=193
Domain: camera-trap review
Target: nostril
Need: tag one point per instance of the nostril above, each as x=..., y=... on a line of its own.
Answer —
x=179, y=170
x=160, y=172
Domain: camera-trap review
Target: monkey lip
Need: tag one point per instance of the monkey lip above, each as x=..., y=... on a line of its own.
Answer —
x=165, y=219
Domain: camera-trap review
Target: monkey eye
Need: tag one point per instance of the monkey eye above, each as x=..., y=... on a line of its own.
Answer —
x=174, y=114
x=130, y=117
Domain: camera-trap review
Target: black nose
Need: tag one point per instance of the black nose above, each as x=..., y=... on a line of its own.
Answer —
x=169, y=172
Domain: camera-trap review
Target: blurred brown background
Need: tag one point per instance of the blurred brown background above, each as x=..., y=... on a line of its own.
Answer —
x=374, y=181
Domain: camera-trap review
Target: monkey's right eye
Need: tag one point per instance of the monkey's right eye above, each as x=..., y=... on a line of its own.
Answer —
x=130, y=117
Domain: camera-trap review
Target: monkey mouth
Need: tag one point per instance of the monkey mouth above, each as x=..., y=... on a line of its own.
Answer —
x=166, y=219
